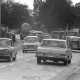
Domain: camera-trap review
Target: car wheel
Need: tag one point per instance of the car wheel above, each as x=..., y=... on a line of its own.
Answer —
x=38, y=60
x=69, y=61
x=9, y=59
x=44, y=61
x=23, y=51
x=65, y=62
x=14, y=58
x=26, y=51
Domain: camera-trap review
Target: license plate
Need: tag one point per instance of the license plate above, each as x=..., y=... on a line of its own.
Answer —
x=50, y=54
x=31, y=46
x=74, y=46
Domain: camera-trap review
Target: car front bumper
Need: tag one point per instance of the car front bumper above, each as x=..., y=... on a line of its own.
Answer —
x=29, y=49
x=4, y=56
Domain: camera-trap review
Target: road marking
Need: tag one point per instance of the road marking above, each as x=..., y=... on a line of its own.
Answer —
x=20, y=62
x=64, y=74
x=2, y=66
x=74, y=66
x=16, y=63
x=30, y=59
x=19, y=51
x=77, y=69
x=12, y=63
x=26, y=60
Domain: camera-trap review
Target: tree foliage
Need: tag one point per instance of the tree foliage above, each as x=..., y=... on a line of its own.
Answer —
x=14, y=14
x=56, y=14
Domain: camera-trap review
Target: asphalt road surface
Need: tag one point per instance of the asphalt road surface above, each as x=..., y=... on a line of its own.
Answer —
x=26, y=68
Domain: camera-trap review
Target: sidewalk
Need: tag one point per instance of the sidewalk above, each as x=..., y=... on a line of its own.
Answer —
x=75, y=75
x=76, y=51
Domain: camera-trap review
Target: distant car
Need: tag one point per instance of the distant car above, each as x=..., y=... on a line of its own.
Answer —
x=74, y=42
x=55, y=50
x=40, y=34
x=30, y=43
x=47, y=37
x=7, y=49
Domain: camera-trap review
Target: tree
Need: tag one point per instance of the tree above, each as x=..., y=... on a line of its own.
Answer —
x=56, y=14
x=14, y=14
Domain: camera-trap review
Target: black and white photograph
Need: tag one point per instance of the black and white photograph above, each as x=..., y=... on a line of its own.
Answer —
x=39, y=39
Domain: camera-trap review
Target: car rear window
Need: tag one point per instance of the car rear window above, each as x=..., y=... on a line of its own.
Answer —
x=31, y=39
x=52, y=43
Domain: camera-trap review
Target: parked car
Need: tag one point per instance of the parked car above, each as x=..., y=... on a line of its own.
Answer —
x=30, y=43
x=47, y=36
x=54, y=50
x=7, y=49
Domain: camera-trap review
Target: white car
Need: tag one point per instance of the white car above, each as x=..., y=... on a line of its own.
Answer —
x=7, y=49
x=31, y=43
x=55, y=50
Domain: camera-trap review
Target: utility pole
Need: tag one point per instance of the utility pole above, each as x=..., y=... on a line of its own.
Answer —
x=0, y=18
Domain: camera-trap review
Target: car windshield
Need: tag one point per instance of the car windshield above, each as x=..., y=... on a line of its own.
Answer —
x=51, y=43
x=4, y=43
x=31, y=39
x=75, y=39
x=47, y=36
x=71, y=33
x=37, y=34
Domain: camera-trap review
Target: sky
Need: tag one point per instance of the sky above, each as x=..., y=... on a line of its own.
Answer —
x=75, y=1
x=30, y=2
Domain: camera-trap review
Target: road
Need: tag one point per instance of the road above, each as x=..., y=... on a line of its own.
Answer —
x=26, y=68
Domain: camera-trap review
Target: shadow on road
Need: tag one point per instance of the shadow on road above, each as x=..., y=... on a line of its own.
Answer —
x=53, y=63
x=4, y=61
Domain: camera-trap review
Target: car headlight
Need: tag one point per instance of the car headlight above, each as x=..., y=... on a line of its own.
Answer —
x=24, y=47
x=6, y=50
x=63, y=55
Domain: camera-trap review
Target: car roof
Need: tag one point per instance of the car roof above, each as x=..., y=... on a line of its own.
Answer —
x=11, y=32
x=31, y=36
x=6, y=38
x=37, y=32
x=73, y=36
x=46, y=33
x=55, y=40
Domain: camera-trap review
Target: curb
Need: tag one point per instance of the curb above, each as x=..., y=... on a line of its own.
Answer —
x=63, y=75
x=76, y=51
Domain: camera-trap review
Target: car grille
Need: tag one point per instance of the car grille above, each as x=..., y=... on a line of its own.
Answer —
x=2, y=52
x=25, y=47
x=31, y=46
x=49, y=54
